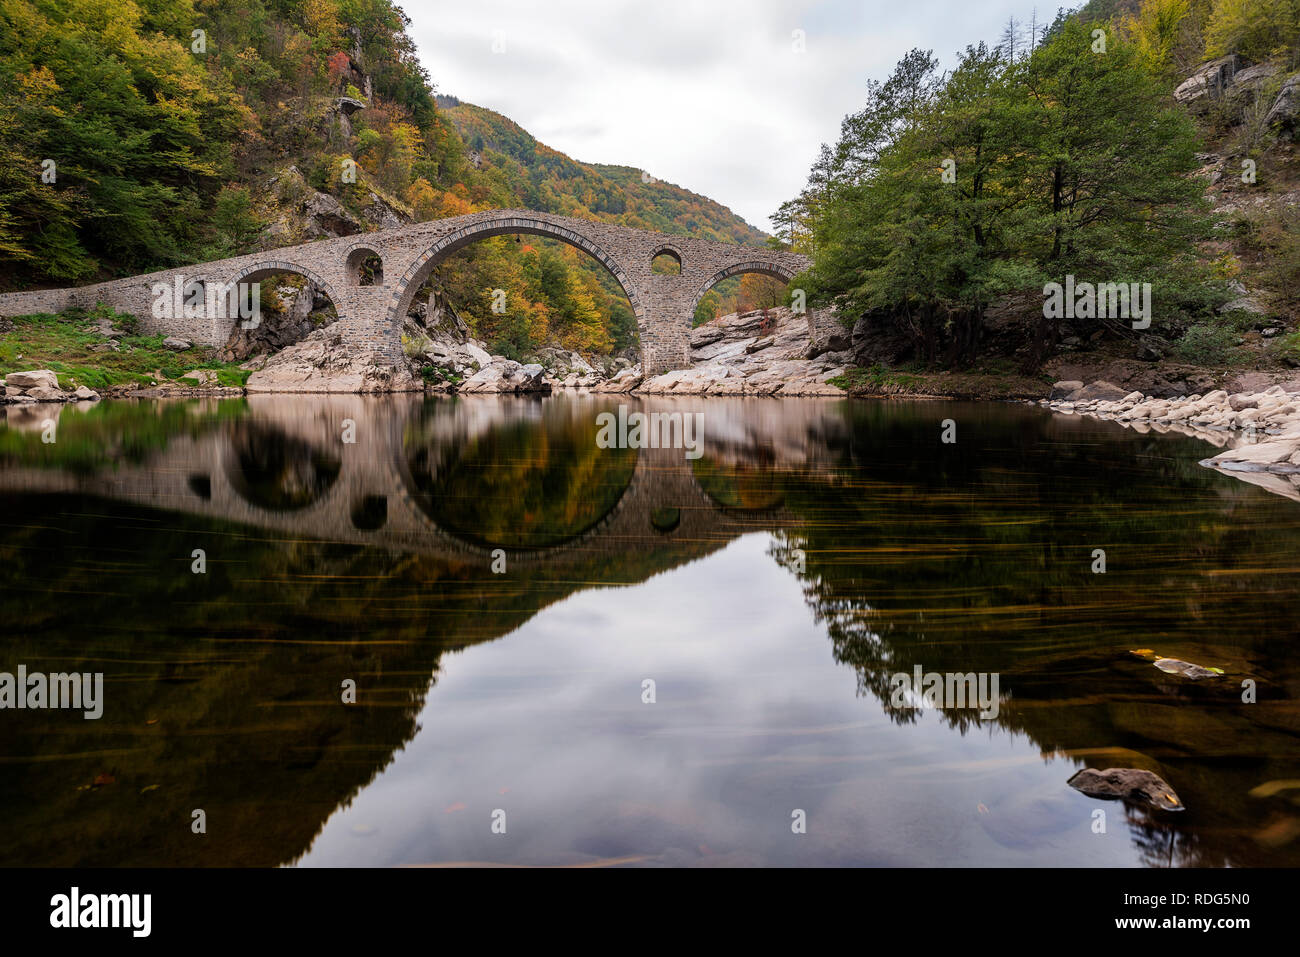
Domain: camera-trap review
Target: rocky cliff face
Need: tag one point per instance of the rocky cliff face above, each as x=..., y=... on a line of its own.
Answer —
x=296, y=212
x=1229, y=79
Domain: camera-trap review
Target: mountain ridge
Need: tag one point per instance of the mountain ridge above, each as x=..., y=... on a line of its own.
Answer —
x=620, y=194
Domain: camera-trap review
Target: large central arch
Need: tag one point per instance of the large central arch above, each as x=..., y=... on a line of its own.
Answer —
x=425, y=263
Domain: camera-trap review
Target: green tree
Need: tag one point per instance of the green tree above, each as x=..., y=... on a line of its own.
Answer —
x=946, y=193
x=1111, y=170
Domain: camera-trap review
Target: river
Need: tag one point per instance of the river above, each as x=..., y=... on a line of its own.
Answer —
x=398, y=631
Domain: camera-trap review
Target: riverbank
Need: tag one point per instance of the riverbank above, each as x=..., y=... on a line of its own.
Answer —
x=1258, y=430
x=100, y=354
x=766, y=352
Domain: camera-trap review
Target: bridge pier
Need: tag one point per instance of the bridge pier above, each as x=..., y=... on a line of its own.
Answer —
x=665, y=322
x=366, y=325
x=663, y=349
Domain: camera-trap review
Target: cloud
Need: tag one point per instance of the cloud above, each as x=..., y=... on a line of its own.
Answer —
x=710, y=95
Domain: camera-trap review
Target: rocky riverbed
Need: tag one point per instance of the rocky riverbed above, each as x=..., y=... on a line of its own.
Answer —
x=766, y=352
x=762, y=352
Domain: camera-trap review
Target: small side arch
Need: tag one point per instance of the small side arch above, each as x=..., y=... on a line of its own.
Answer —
x=265, y=270
x=669, y=250
x=244, y=326
x=363, y=265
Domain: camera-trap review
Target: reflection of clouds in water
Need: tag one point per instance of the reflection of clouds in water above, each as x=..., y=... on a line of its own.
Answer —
x=752, y=720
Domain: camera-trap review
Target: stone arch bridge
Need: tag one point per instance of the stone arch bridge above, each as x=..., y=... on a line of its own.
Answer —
x=370, y=315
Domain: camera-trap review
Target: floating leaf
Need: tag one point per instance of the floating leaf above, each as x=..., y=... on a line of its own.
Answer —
x=147, y=789
x=1269, y=788
x=1279, y=833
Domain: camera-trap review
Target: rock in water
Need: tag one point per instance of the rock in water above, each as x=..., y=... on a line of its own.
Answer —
x=1174, y=666
x=1127, y=784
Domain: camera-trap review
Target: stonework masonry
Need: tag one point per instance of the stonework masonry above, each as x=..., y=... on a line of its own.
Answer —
x=370, y=316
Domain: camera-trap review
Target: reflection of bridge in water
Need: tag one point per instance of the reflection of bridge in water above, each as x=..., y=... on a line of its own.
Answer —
x=363, y=492
x=225, y=684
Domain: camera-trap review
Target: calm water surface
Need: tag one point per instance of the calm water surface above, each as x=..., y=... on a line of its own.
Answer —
x=768, y=589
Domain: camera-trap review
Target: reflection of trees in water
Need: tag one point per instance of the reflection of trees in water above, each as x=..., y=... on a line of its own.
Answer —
x=976, y=558
x=746, y=487
x=105, y=433
x=276, y=471
x=224, y=689
x=1163, y=843
x=515, y=484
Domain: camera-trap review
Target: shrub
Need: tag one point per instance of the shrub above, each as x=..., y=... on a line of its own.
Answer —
x=1288, y=349
x=1206, y=344
x=1281, y=241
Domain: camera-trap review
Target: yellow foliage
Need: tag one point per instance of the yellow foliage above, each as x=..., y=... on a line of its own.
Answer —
x=454, y=205
x=758, y=291
x=116, y=21
x=1156, y=30
x=423, y=198
x=321, y=17
x=1253, y=28
x=587, y=332
x=38, y=83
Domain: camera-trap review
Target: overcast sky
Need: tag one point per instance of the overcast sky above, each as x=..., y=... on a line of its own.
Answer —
x=708, y=94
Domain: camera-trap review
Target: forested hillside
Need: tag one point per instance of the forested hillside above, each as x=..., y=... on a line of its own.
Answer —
x=143, y=134
x=547, y=180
